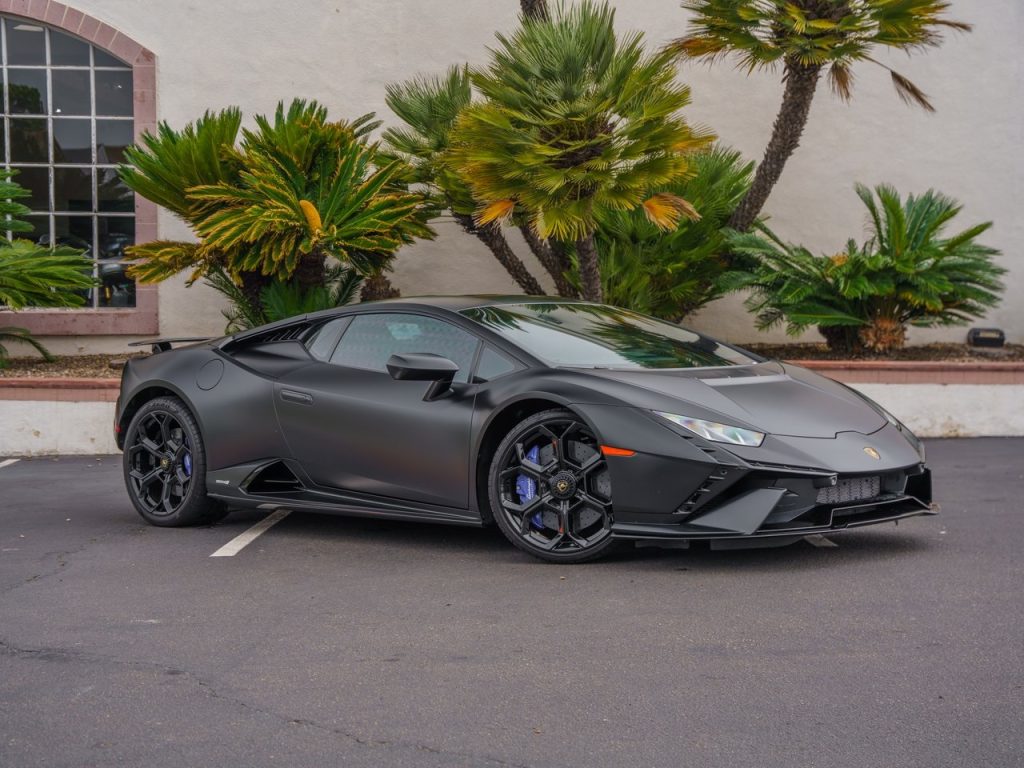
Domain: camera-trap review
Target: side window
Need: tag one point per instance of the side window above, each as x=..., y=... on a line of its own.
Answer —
x=325, y=338
x=492, y=365
x=371, y=339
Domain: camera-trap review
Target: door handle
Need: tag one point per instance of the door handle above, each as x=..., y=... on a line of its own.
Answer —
x=302, y=398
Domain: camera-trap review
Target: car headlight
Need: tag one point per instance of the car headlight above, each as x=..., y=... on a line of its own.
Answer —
x=718, y=433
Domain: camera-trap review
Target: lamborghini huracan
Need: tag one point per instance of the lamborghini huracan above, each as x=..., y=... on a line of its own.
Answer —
x=570, y=425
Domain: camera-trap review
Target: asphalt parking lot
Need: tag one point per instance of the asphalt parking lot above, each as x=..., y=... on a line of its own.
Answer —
x=332, y=641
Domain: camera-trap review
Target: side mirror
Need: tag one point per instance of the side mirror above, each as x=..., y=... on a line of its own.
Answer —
x=413, y=366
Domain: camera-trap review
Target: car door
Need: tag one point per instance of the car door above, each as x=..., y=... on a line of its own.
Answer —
x=354, y=428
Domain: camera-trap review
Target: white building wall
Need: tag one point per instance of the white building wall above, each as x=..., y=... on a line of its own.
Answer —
x=253, y=53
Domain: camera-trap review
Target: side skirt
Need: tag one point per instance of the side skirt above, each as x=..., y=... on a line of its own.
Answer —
x=230, y=485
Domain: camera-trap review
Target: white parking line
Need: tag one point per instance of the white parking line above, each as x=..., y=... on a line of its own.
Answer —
x=817, y=540
x=8, y=462
x=243, y=540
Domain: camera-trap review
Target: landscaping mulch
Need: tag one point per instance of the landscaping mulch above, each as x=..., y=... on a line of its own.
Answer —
x=109, y=366
x=945, y=353
x=67, y=367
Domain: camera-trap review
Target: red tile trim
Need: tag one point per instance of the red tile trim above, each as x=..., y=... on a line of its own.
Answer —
x=917, y=372
x=60, y=390
x=144, y=318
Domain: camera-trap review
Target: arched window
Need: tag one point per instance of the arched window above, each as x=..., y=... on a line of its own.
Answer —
x=75, y=92
x=68, y=115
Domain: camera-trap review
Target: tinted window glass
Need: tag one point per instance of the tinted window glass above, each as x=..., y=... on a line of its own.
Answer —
x=492, y=365
x=322, y=343
x=371, y=339
x=593, y=336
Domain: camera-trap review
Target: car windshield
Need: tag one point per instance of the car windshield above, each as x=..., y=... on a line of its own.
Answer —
x=595, y=336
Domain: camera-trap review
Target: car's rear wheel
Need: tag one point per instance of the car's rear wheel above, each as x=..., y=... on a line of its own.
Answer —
x=550, y=491
x=165, y=466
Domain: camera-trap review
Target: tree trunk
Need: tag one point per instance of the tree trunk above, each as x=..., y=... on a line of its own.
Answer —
x=253, y=284
x=534, y=9
x=491, y=236
x=843, y=339
x=801, y=82
x=311, y=271
x=590, y=268
x=550, y=259
x=378, y=287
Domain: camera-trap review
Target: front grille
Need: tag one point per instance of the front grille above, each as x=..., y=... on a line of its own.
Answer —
x=851, y=489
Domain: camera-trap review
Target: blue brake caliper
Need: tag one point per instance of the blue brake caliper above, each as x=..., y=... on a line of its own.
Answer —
x=186, y=462
x=526, y=487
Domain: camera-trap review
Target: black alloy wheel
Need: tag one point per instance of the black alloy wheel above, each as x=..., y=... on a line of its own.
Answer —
x=550, y=491
x=165, y=466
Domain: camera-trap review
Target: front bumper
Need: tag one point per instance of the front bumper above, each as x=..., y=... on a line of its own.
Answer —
x=760, y=513
x=686, y=488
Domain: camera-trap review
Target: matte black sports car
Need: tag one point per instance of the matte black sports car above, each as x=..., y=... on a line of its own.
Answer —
x=569, y=424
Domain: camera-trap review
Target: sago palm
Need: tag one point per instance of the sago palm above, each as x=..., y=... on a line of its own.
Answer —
x=670, y=274
x=32, y=275
x=575, y=121
x=909, y=272
x=807, y=37
x=271, y=207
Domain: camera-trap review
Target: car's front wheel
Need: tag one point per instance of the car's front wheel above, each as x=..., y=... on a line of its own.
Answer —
x=165, y=466
x=550, y=491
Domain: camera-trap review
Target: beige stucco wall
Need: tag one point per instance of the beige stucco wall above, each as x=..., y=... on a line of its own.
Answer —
x=342, y=52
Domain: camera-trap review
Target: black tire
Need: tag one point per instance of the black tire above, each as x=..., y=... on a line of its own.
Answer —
x=556, y=505
x=164, y=466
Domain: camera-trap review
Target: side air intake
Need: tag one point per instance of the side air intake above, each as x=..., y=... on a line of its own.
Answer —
x=274, y=478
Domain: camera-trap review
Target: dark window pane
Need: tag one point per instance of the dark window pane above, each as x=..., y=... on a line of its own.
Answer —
x=74, y=231
x=26, y=43
x=37, y=182
x=72, y=140
x=72, y=189
x=113, y=194
x=114, y=93
x=104, y=59
x=112, y=136
x=71, y=92
x=68, y=51
x=371, y=339
x=40, y=229
x=115, y=234
x=492, y=365
x=27, y=91
x=28, y=140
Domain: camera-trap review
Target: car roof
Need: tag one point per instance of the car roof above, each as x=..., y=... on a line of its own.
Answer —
x=445, y=303
x=458, y=303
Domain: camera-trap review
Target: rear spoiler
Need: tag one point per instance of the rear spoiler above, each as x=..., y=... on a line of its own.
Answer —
x=162, y=345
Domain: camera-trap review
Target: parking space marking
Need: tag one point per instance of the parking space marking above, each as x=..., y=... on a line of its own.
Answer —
x=817, y=540
x=243, y=540
x=8, y=462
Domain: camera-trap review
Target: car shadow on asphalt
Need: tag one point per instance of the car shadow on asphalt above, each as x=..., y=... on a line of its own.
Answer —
x=410, y=538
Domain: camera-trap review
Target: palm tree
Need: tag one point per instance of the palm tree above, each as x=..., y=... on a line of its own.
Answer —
x=807, y=37
x=534, y=9
x=429, y=107
x=296, y=190
x=574, y=121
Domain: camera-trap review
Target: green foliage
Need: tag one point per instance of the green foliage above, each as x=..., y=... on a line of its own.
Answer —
x=32, y=275
x=820, y=33
x=279, y=301
x=670, y=274
x=429, y=107
x=862, y=299
x=574, y=121
x=297, y=186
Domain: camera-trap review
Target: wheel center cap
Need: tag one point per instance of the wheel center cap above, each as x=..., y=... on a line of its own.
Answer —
x=165, y=463
x=563, y=485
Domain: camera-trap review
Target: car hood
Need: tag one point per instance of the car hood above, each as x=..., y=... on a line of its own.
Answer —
x=774, y=397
